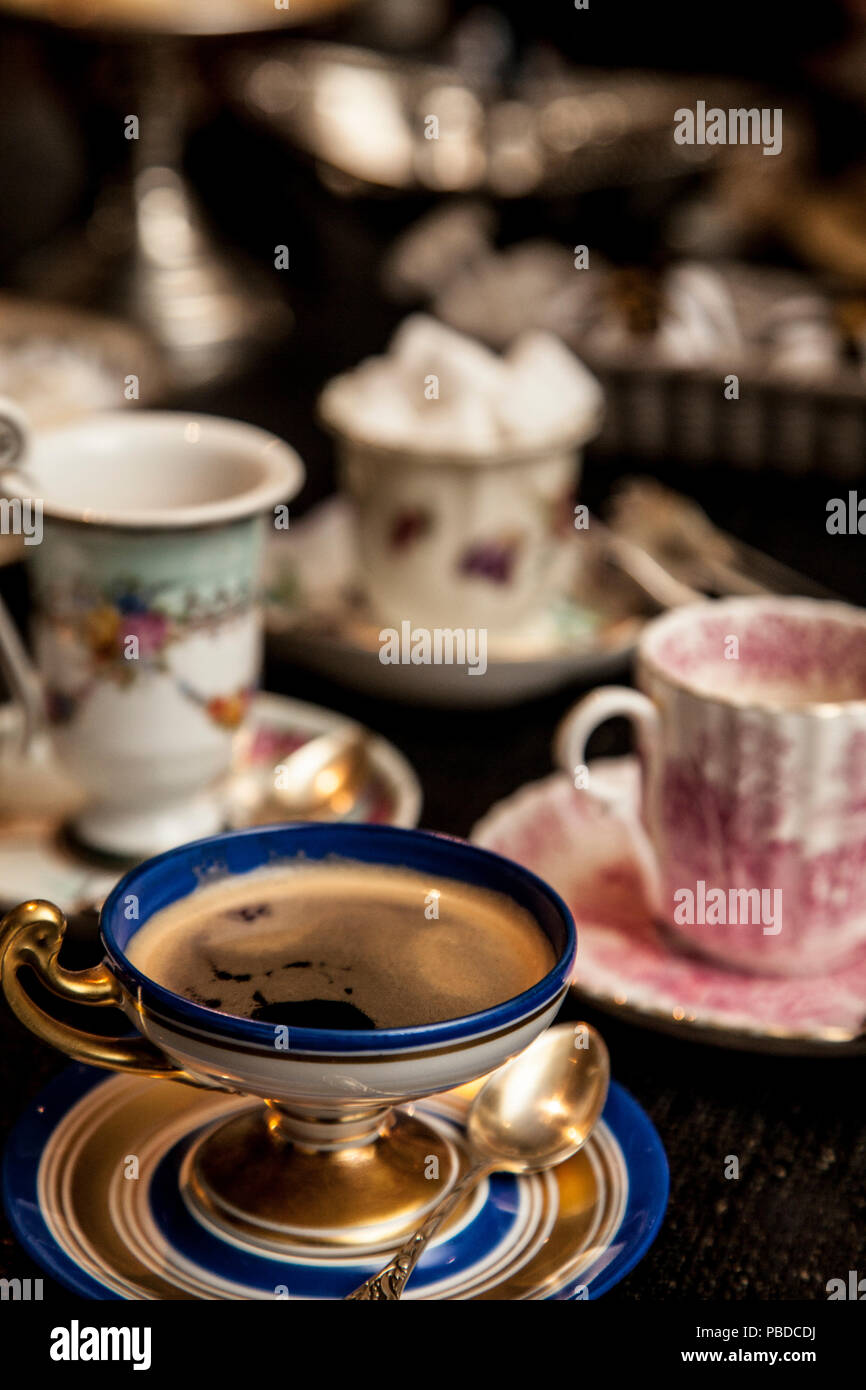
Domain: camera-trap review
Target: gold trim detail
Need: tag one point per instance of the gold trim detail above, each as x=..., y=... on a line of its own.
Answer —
x=32, y=934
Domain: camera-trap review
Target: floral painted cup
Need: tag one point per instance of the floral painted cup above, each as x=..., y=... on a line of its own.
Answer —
x=147, y=627
x=751, y=725
x=468, y=540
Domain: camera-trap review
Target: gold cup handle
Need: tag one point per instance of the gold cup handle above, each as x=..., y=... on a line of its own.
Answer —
x=31, y=934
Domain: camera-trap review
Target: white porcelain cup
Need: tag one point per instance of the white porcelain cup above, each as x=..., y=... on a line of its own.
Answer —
x=462, y=540
x=751, y=727
x=147, y=626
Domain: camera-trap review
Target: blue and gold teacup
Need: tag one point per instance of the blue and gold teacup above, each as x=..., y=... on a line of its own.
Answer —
x=326, y=1160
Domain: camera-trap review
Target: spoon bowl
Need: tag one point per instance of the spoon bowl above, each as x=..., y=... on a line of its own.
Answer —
x=532, y=1113
x=541, y=1107
x=328, y=771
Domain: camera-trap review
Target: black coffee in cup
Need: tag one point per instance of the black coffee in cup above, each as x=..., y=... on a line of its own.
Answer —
x=339, y=944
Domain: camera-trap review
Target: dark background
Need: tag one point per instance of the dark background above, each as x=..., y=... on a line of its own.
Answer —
x=797, y=1215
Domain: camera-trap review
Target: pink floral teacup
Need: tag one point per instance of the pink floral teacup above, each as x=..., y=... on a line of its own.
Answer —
x=751, y=726
x=147, y=626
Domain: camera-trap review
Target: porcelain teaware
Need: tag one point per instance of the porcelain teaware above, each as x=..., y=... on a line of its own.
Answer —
x=147, y=626
x=751, y=727
x=321, y=1157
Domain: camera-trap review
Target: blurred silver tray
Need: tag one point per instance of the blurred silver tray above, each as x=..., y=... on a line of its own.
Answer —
x=681, y=413
x=665, y=346
x=186, y=17
x=375, y=121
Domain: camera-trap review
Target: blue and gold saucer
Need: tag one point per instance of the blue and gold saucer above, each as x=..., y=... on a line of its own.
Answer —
x=93, y=1189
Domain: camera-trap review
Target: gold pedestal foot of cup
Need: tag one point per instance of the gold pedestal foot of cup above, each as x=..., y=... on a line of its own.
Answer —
x=256, y=1179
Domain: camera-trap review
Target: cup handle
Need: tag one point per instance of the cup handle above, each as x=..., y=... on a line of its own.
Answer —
x=31, y=934
x=572, y=736
x=17, y=668
x=15, y=434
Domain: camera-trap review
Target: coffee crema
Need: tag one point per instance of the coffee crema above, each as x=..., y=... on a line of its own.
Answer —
x=340, y=944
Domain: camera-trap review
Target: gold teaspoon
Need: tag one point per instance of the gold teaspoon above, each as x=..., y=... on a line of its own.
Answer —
x=530, y=1114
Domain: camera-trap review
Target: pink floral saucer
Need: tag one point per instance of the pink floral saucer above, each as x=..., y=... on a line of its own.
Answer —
x=626, y=963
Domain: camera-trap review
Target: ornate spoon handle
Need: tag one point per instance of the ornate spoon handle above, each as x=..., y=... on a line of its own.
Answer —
x=391, y=1280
